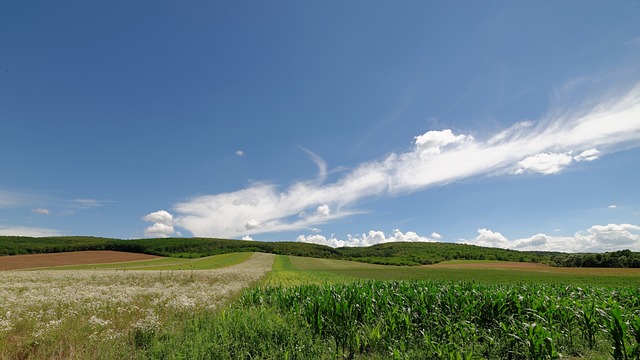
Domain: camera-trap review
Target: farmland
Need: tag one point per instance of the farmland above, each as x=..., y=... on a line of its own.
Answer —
x=70, y=258
x=318, y=308
x=89, y=314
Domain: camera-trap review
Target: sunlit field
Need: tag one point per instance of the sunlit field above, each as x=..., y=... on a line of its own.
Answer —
x=263, y=306
x=168, y=263
x=482, y=272
x=109, y=313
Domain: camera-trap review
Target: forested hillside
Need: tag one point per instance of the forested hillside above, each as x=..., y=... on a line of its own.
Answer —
x=399, y=253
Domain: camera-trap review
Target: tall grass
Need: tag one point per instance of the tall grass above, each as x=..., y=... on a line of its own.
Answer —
x=109, y=314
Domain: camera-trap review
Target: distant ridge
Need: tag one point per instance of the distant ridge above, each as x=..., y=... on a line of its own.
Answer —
x=394, y=253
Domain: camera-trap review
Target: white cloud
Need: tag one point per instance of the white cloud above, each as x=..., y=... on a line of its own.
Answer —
x=322, y=165
x=371, y=238
x=489, y=238
x=241, y=153
x=433, y=142
x=247, y=237
x=28, y=231
x=86, y=203
x=437, y=158
x=161, y=216
x=323, y=210
x=321, y=240
x=598, y=238
x=162, y=224
x=159, y=230
x=545, y=163
x=612, y=206
x=41, y=211
x=588, y=155
x=16, y=199
x=253, y=224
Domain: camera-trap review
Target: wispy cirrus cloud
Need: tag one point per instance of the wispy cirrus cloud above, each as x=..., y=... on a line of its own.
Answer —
x=41, y=211
x=17, y=199
x=87, y=203
x=28, y=231
x=546, y=146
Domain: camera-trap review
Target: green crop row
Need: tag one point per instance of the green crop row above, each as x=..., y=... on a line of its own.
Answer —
x=437, y=320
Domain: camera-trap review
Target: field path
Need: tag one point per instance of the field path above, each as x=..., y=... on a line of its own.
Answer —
x=16, y=262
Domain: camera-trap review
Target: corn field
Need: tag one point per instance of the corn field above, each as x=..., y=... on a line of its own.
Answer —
x=437, y=320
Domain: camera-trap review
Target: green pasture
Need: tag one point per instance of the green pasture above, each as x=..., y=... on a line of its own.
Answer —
x=296, y=270
x=285, y=273
x=205, y=263
x=356, y=270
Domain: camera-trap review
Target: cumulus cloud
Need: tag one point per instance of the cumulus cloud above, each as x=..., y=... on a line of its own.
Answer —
x=161, y=216
x=612, y=206
x=323, y=210
x=162, y=224
x=436, y=158
x=241, y=153
x=41, y=211
x=373, y=237
x=545, y=163
x=28, y=231
x=598, y=238
x=433, y=142
x=247, y=237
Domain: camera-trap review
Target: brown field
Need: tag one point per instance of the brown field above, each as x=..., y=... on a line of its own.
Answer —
x=69, y=258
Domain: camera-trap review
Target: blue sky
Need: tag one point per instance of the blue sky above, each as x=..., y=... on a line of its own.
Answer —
x=498, y=123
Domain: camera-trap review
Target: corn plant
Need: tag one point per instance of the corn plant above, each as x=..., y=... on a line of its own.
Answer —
x=468, y=319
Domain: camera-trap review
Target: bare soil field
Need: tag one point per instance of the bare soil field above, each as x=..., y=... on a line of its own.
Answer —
x=69, y=258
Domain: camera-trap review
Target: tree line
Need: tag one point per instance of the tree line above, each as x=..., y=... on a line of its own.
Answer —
x=398, y=253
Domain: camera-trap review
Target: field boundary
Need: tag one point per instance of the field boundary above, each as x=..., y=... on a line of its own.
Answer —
x=34, y=261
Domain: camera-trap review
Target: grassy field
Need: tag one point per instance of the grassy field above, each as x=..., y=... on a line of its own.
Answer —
x=110, y=314
x=205, y=263
x=498, y=273
x=286, y=274
x=132, y=265
x=309, y=308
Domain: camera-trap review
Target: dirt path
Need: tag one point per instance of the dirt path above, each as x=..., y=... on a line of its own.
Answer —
x=69, y=258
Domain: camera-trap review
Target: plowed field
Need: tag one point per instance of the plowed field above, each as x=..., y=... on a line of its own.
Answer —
x=69, y=258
